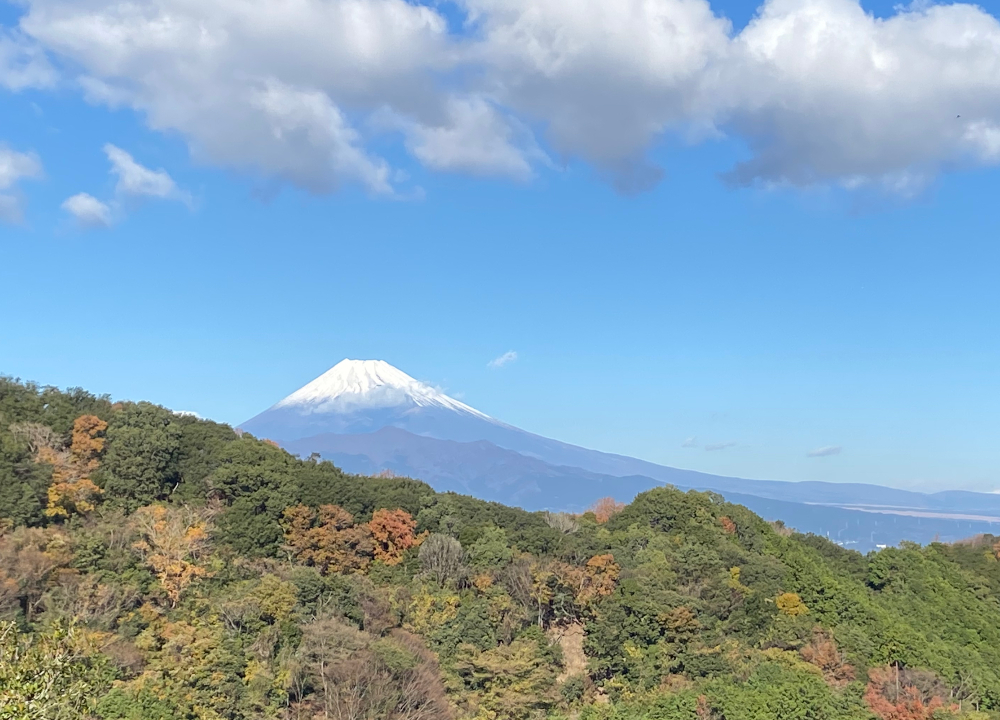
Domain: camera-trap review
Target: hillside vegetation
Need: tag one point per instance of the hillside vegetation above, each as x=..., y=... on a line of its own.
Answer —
x=156, y=566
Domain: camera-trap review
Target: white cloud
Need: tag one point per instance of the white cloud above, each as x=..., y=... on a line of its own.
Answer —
x=818, y=91
x=825, y=451
x=719, y=446
x=691, y=442
x=823, y=92
x=604, y=77
x=505, y=359
x=475, y=138
x=135, y=180
x=88, y=210
x=271, y=89
x=23, y=63
x=14, y=167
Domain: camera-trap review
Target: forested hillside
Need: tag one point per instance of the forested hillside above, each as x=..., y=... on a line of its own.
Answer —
x=156, y=566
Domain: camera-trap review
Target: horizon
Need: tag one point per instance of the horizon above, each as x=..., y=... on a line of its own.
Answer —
x=280, y=402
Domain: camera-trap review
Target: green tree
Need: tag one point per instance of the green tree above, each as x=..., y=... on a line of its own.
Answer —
x=140, y=460
x=47, y=676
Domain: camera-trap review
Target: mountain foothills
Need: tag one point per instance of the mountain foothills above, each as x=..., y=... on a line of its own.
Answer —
x=156, y=566
x=367, y=417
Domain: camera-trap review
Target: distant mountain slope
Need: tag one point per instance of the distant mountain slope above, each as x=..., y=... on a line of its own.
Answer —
x=492, y=473
x=477, y=468
x=368, y=416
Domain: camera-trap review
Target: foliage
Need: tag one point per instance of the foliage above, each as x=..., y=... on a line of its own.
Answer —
x=206, y=576
x=49, y=675
x=327, y=538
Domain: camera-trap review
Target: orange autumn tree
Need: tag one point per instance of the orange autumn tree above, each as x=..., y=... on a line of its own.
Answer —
x=87, y=442
x=394, y=532
x=171, y=541
x=823, y=652
x=327, y=539
x=600, y=576
x=71, y=490
x=606, y=508
x=893, y=693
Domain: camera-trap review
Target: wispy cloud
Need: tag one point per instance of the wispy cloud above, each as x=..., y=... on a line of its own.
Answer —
x=135, y=181
x=14, y=167
x=506, y=359
x=719, y=446
x=691, y=442
x=825, y=451
x=88, y=210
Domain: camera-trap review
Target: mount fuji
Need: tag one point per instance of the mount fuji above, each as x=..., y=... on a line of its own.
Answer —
x=368, y=416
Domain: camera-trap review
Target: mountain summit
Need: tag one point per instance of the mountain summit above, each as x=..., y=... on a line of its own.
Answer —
x=359, y=396
x=353, y=385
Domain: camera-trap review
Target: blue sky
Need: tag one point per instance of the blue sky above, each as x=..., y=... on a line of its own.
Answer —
x=840, y=294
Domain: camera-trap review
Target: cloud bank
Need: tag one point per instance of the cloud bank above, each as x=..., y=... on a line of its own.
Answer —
x=818, y=92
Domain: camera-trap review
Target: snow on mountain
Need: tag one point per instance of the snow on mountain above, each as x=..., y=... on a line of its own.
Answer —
x=353, y=385
x=356, y=396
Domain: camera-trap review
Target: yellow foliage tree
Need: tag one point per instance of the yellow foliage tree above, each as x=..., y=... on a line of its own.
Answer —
x=791, y=604
x=600, y=577
x=87, y=442
x=170, y=542
x=72, y=490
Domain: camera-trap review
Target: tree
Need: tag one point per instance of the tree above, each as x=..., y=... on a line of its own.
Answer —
x=87, y=442
x=606, y=508
x=23, y=483
x=327, y=539
x=171, y=540
x=394, y=532
x=140, y=461
x=358, y=676
x=823, y=652
x=443, y=558
x=514, y=681
x=258, y=482
x=791, y=604
x=47, y=676
x=71, y=489
x=600, y=578
x=30, y=559
x=893, y=694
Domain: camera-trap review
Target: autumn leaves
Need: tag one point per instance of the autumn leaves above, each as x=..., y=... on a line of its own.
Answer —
x=329, y=539
x=72, y=490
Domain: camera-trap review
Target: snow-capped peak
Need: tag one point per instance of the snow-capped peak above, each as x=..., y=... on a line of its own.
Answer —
x=362, y=384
